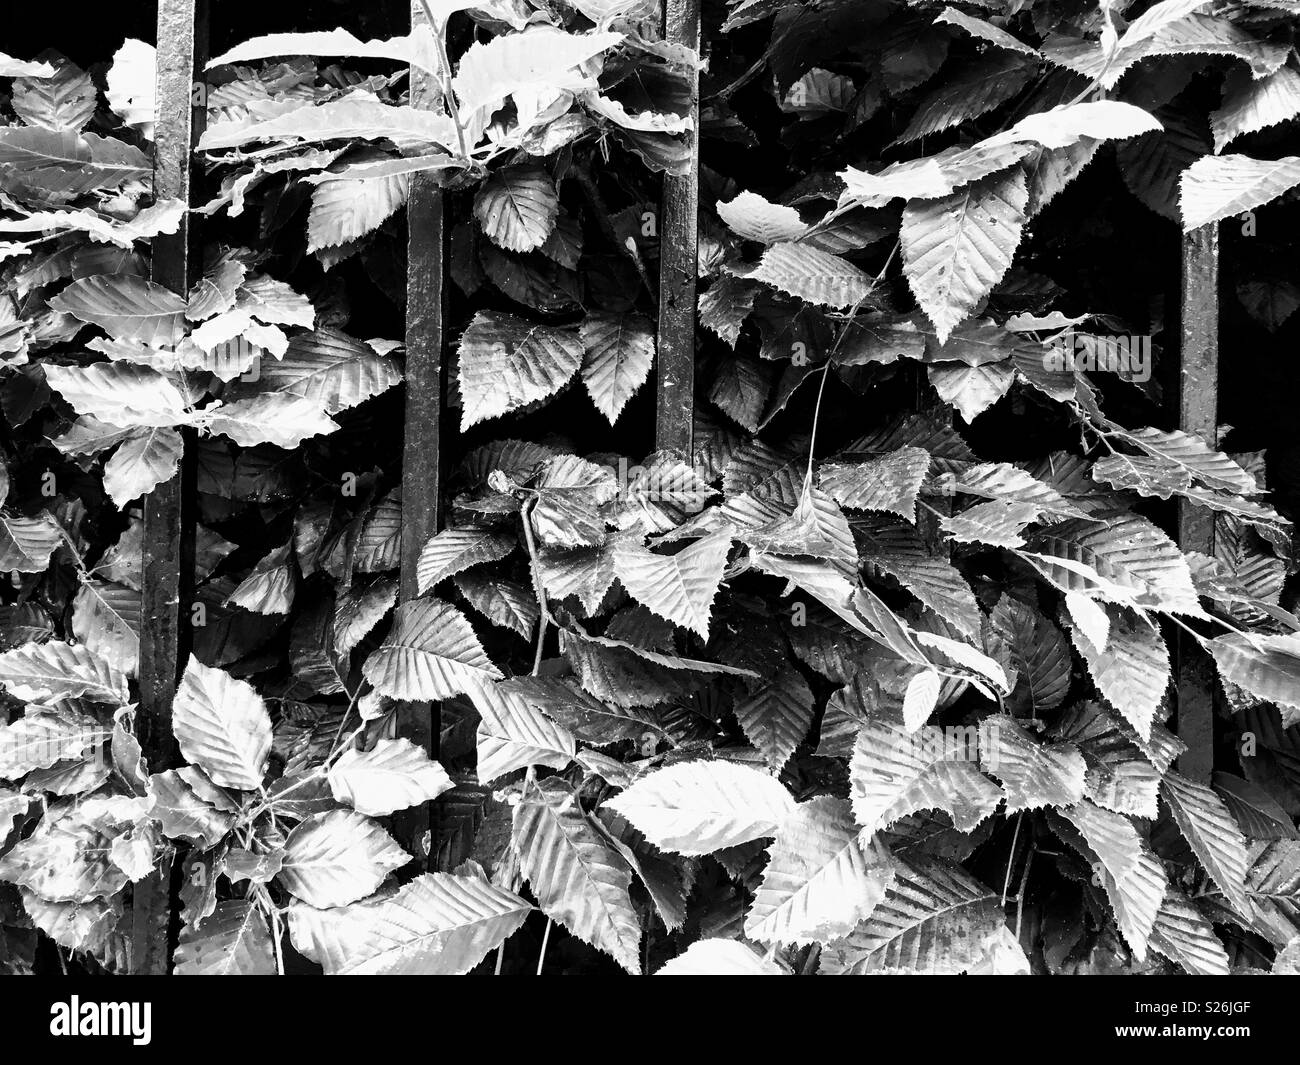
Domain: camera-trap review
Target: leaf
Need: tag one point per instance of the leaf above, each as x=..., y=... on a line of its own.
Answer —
x=437, y=924
x=517, y=207
x=106, y=619
x=679, y=588
x=1133, y=671
x=65, y=165
x=1212, y=833
x=700, y=807
x=507, y=363
x=1215, y=188
x=894, y=773
x=752, y=217
x=888, y=483
x=43, y=738
x=1036, y=651
x=569, y=494
x=131, y=85
x=233, y=941
x=222, y=726
x=539, y=59
x=454, y=550
x=972, y=389
x=504, y=603
x=1033, y=773
x=777, y=716
x=935, y=919
x=1133, y=878
x=40, y=672
x=579, y=880
x=1266, y=666
x=813, y=275
x=271, y=418
x=347, y=209
x=359, y=610
x=20, y=68
x=63, y=100
x=821, y=879
x=393, y=775
x=430, y=653
x=957, y=248
x=187, y=805
x=126, y=307
x=619, y=350
x=142, y=463
x=416, y=48
x=119, y=393
x=359, y=115
x=1186, y=938
x=338, y=857
x=513, y=735
x=719, y=957
x=26, y=544
x=974, y=89
x=1250, y=105
x=270, y=587
x=984, y=31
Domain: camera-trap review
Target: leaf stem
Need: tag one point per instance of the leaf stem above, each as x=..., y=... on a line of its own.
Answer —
x=444, y=61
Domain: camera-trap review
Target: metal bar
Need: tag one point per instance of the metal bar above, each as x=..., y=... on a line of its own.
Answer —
x=422, y=455
x=1198, y=400
x=678, y=239
x=168, y=549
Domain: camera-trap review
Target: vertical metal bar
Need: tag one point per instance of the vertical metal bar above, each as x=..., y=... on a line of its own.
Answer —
x=168, y=550
x=422, y=450
x=678, y=238
x=1198, y=400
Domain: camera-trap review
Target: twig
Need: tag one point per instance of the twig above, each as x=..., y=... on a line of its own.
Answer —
x=546, y=938
x=539, y=590
x=1020, y=894
x=444, y=61
x=1015, y=838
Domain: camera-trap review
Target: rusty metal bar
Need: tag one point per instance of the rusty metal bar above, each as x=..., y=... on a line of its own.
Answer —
x=1198, y=400
x=422, y=454
x=168, y=549
x=678, y=239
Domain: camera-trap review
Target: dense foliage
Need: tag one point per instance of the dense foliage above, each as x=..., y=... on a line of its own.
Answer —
x=876, y=680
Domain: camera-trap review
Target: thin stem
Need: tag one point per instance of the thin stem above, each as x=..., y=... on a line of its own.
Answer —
x=1015, y=838
x=544, y=616
x=444, y=75
x=546, y=938
x=501, y=957
x=1024, y=884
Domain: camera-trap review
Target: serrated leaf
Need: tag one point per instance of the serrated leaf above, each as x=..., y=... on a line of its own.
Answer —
x=1219, y=187
x=777, y=716
x=821, y=878
x=507, y=363
x=1133, y=671
x=453, y=550
x=752, y=217
x=679, y=588
x=699, y=807
x=39, y=672
x=347, y=209
x=504, y=603
x=894, y=773
x=26, y=544
x=393, y=775
x=619, y=350
x=579, y=880
x=119, y=393
x=1033, y=773
x=336, y=858
x=1133, y=878
x=106, y=619
x=43, y=738
x=516, y=207
x=126, y=307
x=270, y=418
x=957, y=248
x=326, y=366
x=813, y=275
x=438, y=924
x=1183, y=935
x=141, y=463
x=1266, y=666
x=570, y=493
x=513, y=735
x=233, y=941
x=430, y=653
x=1250, y=105
x=975, y=89
x=359, y=610
x=888, y=483
x=221, y=725
x=358, y=115
x=971, y=389
x=1212, y=833
x=935, y=919
x=1036, y=650
x=63, y=101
